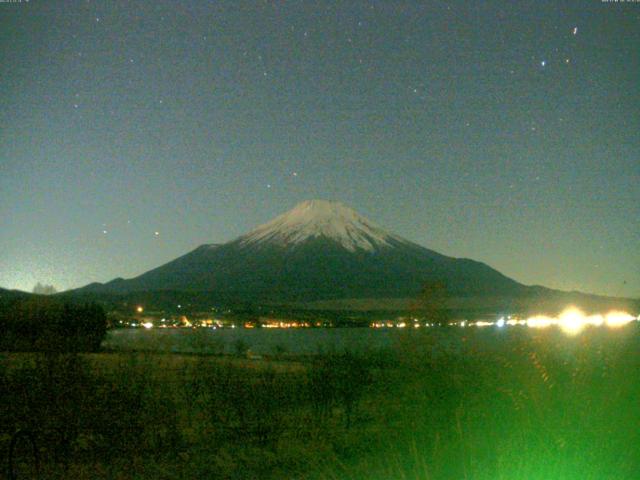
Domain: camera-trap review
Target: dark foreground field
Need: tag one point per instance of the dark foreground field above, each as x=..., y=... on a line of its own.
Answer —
x=511, y=405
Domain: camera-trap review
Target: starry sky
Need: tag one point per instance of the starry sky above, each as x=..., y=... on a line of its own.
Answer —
x=506, y=132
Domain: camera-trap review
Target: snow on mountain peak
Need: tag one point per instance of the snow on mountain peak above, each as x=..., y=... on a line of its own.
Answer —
x=321, y=218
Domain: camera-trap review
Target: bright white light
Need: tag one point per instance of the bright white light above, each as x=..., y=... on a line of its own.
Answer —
x=540, y=321
x=147, y=325
x=572, y=321
x=616, y=319
x=483, y=324
x=595, y=320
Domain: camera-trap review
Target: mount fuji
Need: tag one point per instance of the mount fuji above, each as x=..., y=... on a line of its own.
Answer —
x=318, y=250
x=321, y=252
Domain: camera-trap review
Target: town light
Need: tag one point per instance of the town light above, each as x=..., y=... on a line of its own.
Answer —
x=572, y=321
x=618, y=319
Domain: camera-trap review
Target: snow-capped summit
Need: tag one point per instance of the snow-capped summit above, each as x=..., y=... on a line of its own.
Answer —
x=321, y=218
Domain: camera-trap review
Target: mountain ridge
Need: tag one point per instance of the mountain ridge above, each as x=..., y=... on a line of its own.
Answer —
x=320, y=251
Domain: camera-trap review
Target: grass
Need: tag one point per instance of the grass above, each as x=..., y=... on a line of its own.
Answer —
x=512, y=404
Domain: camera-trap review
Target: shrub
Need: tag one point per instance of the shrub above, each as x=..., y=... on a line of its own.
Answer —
x=47, y=325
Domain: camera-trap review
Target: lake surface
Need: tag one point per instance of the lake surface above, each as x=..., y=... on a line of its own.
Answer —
x=313, y=341
x=260, y=341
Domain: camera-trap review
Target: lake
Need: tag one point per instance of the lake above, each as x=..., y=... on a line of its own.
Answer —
x=259, y=341
x=313, y=341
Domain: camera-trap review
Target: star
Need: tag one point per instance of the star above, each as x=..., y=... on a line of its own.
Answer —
x=104, y=232
x=575, y=30
x=97, y=19
x=543, y=63
x=157, y=234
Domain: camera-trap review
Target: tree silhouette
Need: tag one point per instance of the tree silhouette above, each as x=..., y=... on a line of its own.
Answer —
x=432, y=302
x=41, y=289
x=44, y=324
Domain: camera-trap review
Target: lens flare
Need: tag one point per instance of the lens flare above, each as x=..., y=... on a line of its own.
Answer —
x=595, y=320
x=540, y=321
x=482, y=323
x=572, y=321
x=617, y=319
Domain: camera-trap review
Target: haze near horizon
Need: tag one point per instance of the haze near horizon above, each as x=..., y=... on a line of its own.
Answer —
x=496, y=132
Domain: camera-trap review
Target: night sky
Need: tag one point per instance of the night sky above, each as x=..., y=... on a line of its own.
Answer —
x=507, y=132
